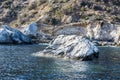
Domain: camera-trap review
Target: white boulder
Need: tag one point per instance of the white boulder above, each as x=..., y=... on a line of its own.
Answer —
x=72, y=46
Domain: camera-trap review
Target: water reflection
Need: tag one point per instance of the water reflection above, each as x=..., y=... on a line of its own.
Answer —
x=17, y=62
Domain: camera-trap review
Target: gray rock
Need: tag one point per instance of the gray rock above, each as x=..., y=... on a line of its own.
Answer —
x=72, y=46
x=11, y=35
x=31, y=30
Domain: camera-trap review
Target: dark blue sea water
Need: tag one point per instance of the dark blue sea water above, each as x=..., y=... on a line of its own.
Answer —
x=17, y=62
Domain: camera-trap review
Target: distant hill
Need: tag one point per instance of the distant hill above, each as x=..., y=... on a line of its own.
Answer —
x=58, y=12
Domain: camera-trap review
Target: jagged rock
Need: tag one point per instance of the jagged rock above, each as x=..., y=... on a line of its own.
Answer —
x=72, y=46
x=31, y=30
x=11, y=35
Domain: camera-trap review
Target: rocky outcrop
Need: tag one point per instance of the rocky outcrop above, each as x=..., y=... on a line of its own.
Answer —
x=11, y=35
x=72, y=46
x=97, y=31
x=103, y=32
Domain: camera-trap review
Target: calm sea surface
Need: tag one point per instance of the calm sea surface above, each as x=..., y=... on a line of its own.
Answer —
x=17, y=62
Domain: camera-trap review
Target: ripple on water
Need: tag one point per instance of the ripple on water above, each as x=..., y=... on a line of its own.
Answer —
x=20, y=62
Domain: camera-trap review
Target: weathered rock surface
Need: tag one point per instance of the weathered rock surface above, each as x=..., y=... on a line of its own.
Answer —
x=11, y=35
x=72, y=46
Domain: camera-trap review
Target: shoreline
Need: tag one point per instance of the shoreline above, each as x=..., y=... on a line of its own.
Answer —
x=47, y=44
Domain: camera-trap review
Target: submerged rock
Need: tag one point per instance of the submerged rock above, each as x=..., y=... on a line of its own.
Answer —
x=72, y=46
x=11, y=35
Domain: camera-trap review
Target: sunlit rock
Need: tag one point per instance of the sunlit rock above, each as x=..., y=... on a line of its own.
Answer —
x=72, y=46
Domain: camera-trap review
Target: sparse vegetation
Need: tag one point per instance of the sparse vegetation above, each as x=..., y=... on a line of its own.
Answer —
x=25, y=11
x=97, y=0
x=32, y=6
x=7, y=4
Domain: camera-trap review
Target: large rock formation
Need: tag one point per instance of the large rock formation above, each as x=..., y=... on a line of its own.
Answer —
x=97, y=31
x=72, y=46
x=11, y=35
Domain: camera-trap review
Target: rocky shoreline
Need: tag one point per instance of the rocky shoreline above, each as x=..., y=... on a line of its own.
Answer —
x=100, y=33
x=72, y=42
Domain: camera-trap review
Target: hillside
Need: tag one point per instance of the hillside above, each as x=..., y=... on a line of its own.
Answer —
x=58, y=12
